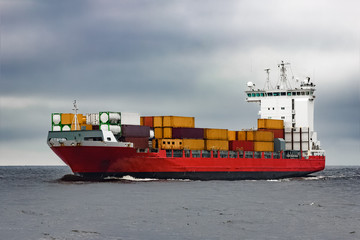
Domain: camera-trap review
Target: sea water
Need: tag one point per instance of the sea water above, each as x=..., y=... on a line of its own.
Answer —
x=36, y=204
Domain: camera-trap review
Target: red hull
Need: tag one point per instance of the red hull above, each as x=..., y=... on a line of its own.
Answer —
x=120, y=161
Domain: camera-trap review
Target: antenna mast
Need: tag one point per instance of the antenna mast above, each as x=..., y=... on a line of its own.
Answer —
x=284, y=83
x=267, y=83
x=75, y=121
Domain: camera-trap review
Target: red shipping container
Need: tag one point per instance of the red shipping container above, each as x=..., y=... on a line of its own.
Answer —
x=278, y=133
x=148, y=121
x=190, y=133
x=135, y=131
x=241, y=145
x=139, y=142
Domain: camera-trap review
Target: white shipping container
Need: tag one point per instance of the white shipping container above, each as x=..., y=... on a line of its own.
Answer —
x=297, y=129
x=296, y=136
x=92, y=119
x=130, y=118
x=305, y=146
x=56, y=128
x=56, y=118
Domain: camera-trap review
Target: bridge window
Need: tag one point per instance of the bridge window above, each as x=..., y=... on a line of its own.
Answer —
x=253, y=94
x=294, y=93
x=270, y=94
x=289, y=93
x=276, y=94
x=249, y=94
x=262, y=94
x=283, y=93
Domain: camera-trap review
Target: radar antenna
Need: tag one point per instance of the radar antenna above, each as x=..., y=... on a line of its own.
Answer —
x=284, y=83
x=75, y=121
x=267, y=83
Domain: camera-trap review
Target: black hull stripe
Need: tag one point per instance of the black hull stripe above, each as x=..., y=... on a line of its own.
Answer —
x=198, y=175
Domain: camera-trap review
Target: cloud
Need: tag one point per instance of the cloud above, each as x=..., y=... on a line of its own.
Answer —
x=174, y=57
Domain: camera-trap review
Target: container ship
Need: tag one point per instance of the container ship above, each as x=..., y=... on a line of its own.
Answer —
x=111, y=144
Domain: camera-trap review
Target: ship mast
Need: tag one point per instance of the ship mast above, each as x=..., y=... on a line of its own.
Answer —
x=267, y=83
x=284, y=83
x=75, y=121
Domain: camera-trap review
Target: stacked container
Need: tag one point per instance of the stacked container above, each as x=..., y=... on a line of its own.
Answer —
x=216, y=139
x=112, y=121
x=297, y=139
x=64, y=122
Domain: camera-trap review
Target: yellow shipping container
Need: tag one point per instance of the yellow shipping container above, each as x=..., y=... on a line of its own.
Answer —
x=260, y=136
x=170, y=144
x=270, y=124
x=176, y=121
x=158, y=121
x=167, y=133
x=241, y=135
x=142, y=121
x=231, y=135
x=158, y=132
x=216, y=145
x=194, y=144
x=67, y=118
x=264, y=146
x=216, y=134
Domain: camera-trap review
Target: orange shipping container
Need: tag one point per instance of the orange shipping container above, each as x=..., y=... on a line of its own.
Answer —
x=259, y=136
x=216, y=134
x=167, y=133
x=270, y=124
x=158, y=121
x=264, y=146
x=241, y=135
x=67, y=118
x=158, y=132
x=147, y=121
x=170, y=144
x=231, y=135
x=176, y=121
x=216, y=145
x=194, y=144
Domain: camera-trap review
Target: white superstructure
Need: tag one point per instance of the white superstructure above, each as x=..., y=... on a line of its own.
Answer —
x=293, y=104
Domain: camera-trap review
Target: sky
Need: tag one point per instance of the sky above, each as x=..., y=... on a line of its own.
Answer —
x=180, y=57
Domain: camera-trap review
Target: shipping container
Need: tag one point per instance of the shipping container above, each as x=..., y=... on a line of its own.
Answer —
x=167, y=132
x=177, y=121
x=135, y=131
x=170, y=143
x=241, y=135
x=56, y=128
x=109, y=117
x=231, y=135
x=241, y=145
x=86, y=127
x=260, y=136
x=139, y=142
x=193, y=144
x=279, y=145
x=158, y=121
x=264, y=146
x=115, y=129
x=270, y=124
x=215, y=134
x=56, y=118
x=278, y=133
x=92, y=119
x=128, y=118
x=296, y=146
x=191, y=133
x=216, y=144
x=158, y=132
x=142, y=121
x=147, y=121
